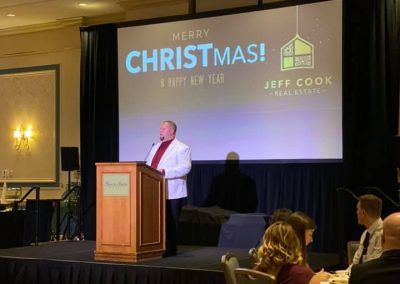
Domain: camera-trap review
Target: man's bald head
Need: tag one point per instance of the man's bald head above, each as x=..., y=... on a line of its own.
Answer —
x=391, y=232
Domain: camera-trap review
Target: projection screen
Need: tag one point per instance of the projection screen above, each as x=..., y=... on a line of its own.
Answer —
x=266, y=85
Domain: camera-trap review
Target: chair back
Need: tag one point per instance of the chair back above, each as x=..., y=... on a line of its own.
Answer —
x=352, y=247
x=229, y=263
x=250, y=276
x=253, y=255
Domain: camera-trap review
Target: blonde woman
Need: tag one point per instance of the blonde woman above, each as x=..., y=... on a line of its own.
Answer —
x=280, y=254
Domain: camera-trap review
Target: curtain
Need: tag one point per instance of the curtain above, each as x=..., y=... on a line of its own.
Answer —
x=263, y=188
x=370, y=102
x=99, y=112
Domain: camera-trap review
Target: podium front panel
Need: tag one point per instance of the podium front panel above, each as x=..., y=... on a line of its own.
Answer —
x=116, y=220
x=150, y=211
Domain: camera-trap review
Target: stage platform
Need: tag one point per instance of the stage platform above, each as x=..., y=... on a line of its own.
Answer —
x=73, y=262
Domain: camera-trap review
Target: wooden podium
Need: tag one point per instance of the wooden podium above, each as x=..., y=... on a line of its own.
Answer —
x=130, y=221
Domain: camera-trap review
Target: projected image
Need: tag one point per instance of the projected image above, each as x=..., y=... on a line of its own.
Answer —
x=266, y=85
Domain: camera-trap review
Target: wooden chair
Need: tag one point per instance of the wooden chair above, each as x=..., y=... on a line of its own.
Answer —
x=229, y=263
x=250, y=276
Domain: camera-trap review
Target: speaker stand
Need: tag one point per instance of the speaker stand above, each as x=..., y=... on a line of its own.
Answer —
x=69, y=216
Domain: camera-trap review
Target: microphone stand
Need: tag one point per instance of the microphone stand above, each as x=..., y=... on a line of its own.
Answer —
x=348, y=191
x=148, y=152
x=384, y=194
x=344, y=233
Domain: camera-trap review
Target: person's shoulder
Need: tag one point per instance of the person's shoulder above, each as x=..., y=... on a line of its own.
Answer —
x=372, y=270
x=380, y=224
x=301, y=273
x=180, y=143
x=297, y=269
x=365, y=266
x=377, y=226
x=391, y=255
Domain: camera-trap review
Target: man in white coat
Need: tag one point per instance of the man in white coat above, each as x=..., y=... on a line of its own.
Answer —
x=173, y=159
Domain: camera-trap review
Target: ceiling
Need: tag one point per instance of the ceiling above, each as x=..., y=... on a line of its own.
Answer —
x=24, y=15
x=33, y=12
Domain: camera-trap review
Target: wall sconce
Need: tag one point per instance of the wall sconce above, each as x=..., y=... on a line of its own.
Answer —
x=21, y=138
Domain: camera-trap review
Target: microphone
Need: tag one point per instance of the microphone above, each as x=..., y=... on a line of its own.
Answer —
x=148, y=152
x=384, y=194
x=348, y=191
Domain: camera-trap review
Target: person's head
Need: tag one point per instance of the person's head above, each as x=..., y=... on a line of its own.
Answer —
x=232, y=161
x=304, y=227
x=391, y=232
x=281, y=214
x=369, y=208
x=280, y=246
x=167, y=130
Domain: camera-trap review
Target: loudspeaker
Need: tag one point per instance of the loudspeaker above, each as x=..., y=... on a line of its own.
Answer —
x=69, y=158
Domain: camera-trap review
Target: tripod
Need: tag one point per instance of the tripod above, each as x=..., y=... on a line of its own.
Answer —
x=72, y=217
x=70, y=162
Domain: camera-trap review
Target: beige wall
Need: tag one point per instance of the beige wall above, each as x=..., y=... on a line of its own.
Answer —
x=60, y=46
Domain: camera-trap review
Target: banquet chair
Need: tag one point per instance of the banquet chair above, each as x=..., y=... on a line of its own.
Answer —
x=352, y=247
x=250, y=276
x=253, y=255
x=229, y=263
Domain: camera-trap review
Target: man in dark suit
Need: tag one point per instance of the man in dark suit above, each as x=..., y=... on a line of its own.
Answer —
x=385, y=269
